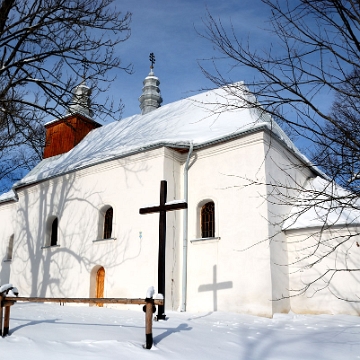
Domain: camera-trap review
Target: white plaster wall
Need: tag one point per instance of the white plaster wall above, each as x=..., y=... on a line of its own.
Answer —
x=284, y=175
x=7, y=216
x=237, y=272
x=130, y=261
x=332, y=294
x=242, y=271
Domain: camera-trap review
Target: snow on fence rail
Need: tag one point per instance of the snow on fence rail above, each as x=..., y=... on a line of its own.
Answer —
x=149, y=308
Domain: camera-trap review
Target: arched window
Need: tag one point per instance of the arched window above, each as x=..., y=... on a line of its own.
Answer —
x=54, y=232
x=207, y=216
x=108, y=222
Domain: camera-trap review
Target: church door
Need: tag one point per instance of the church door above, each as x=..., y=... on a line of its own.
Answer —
x=100, y=278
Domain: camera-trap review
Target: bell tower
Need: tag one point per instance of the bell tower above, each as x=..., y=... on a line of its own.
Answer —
x=65, y=133
x=150, y=98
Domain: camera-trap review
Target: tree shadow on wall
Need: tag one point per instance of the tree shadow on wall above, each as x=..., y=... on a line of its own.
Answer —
x=43, y=271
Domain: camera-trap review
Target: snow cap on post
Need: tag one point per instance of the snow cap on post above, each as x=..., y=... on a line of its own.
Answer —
x=150, y=292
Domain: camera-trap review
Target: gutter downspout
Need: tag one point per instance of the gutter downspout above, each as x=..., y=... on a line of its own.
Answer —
x=185, y=232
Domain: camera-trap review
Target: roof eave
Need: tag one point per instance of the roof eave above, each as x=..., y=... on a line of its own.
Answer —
x=179, y=145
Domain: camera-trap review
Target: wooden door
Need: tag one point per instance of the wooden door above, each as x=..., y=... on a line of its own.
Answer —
x=100, y=279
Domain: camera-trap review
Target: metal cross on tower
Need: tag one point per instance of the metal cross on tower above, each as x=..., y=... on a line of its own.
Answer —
x=152, y=60
x=162, y=209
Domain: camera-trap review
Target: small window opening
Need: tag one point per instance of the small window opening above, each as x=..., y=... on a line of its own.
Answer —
x=208, y=220
x=9, y=250
x=108, y=221
x=54, y=233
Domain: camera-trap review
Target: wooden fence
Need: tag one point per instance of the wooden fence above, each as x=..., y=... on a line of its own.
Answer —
x=7, y=302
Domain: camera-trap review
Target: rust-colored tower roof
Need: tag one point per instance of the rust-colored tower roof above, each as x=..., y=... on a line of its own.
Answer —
x=65, y=133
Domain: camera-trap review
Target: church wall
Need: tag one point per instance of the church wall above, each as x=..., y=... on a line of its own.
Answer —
x=228, y=273
x=238, y=270
x=284, y=174
x=130, y=261
x=7, y=215
x=333, y=293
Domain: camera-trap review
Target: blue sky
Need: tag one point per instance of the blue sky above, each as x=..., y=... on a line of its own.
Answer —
x=169, y=30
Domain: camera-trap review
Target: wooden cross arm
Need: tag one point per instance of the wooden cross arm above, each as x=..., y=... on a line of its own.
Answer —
x=176, y=206
x=166, y=207
x=149, y=210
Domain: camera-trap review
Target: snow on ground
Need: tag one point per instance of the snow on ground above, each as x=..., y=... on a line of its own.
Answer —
x=48, y=331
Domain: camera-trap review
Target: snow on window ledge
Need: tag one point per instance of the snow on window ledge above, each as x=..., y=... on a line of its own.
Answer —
x=49, y=246
x=205, y=240
x=102, y=240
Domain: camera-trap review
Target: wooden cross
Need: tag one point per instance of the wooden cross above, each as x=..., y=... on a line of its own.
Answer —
x=162, y=209
x=215, y=287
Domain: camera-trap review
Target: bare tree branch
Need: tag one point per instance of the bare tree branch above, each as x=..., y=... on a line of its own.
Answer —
x=47, y=47
x=314, y=52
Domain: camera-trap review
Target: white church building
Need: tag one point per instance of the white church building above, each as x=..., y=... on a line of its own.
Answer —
x=71, y=227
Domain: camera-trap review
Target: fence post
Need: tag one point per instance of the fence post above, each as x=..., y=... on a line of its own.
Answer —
x=149, y=310
x=6, y=320
x=1, y=316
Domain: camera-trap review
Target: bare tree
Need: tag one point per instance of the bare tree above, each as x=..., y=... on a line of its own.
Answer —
x=315, y=50
x=338, y=151
x=47, y=47
x=314, y=55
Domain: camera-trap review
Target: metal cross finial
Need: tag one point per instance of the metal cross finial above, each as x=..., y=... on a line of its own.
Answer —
x=152, y=60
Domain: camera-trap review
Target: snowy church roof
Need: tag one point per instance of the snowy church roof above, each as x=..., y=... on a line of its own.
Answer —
x=202, y=119
x=8, y=196
x=323, y=203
